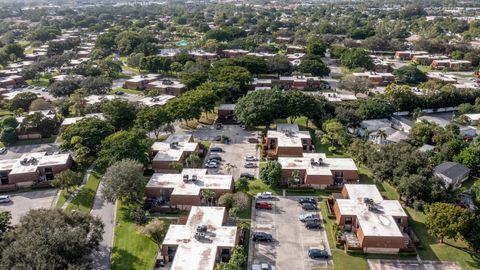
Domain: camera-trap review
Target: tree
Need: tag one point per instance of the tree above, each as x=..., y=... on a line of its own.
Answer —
x=470, y=157
x=8, y=121
x=99, y=85
x=155, y=63
x=236, y=262
x=133, y=144
x=86, y=134
x=416, y=187
x=376, y=43
x=152, y=119
x=64, y=88
x=193, y=160
x=37, y=122
x=260, y=107
x=299, y=104
x=156, y=230
x=5, y=223
x=401, y=97
x=120, y=113
x=241, y=184
x=208, y=195
x=52, y=239
x=410, y=75
x=356, y=58
x=314, y=65
x=15, y=51
x=240, y=201
x=254, y=64
x=22, y=101
x=422, y=133
x=127, y=41
x=279, y=64
x=471, y=234
x=271, y=173
x=40, y=104
x=67, y=180
x=316, y=47
x=123, y=180
x=176, y=166
x=444, y=220
x=8, y=135
x=335, y=133
x=356, y=84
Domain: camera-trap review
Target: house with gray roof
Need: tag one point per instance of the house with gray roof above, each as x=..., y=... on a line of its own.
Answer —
x=452, y=173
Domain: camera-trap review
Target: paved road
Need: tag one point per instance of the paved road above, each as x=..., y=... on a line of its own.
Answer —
x=106, y=212
x=18, y=151
x=412, y=265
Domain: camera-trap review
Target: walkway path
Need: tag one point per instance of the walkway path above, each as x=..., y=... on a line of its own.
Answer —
x=106, y=212
x=84, y=181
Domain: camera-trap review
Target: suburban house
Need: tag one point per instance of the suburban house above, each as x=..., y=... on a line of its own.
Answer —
x=287, y=141
x=300, y=82
x=426, y=60
x=452, y=173
x=226, y=112
x=408, y=55
x=257, y=84
x=377, y=130
x=175, y=149
x=473, y=118
x=198, y=54
x=11, y=81
x=295, y=49
x=452, y=65
x=381, y=66
x=369, y=222
x=318, y=171
x=183, y=190
x=202, y=242
x=140, y=82
x=338, y=96
x=33, y=168
x=167, y=87
x=376, y=78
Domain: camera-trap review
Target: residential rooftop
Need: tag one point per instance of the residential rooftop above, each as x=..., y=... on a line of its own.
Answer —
x=321, y=165
x=195, y=254
x=173, y=148
x=288, y=135
x=29, y=162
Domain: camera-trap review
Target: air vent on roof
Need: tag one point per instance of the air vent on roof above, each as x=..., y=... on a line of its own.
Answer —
x=194, y=178
x=185, y=178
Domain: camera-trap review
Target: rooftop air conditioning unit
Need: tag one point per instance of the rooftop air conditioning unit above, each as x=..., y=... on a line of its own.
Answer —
x=194, y=177
x=185, y=178
x=202, y=228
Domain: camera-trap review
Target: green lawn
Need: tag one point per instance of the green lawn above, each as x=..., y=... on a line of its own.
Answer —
x=323, y=148
x=247, y=213
x=84, y=200
x=62, y=198
x=5, y=113
x=130, y=91
x=257, y=186
x=131, y=249
x=41, y=82
x=425, y=68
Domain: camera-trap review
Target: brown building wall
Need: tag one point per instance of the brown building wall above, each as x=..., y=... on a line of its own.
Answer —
x=289, y=151
x=23, y=177
x=348, y=175
x=185, y=200
x=319, y=181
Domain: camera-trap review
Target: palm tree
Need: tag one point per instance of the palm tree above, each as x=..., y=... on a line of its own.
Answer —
x=296, y=176
x=230, y=167
x=208, y=195
x=193, y=161
x=177, y=166
x=382, y=135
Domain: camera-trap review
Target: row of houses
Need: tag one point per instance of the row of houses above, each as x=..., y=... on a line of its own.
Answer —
x=154, y=82
x=436, y=61
x=295, y=82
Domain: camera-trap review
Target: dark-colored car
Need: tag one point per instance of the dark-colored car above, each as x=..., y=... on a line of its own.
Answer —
x=247, y=175
x=252, y=140
x=216, y=158
x=216, y=149
x=316, y=253
x=313, y=225
x=307, y=200
x=309, y=206
x=218, y=126
x=261, y=236
x=263, y=205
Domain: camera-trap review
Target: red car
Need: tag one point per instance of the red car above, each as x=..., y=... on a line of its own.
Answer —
x=263, y=205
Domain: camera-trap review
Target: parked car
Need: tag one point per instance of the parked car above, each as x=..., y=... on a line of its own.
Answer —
x=159, y=262
x=217, y=158
x=313, y=224
x=316, y=253
x=250, y=158
x=263, y=266
x=44, y=90
x=262, y=236
x=217, y=138
x=119, y=93
x=309, y=217
x=216, y=149
x=263, y=205
x=247, y=175
x=250, y=165
x=309, y=206
x=216, y=161
x=264, y=195
x=211, y=165
x=252, y=140
x=5, y=199
x=307, y=200
x=218, y=126
x=3, y=150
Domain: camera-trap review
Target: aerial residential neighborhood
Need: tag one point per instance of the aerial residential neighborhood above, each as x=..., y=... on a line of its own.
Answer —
x=239, y=135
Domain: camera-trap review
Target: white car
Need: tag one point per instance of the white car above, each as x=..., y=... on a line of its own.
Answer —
x=5, y=199
x=264, y=195
x=211, y=165
x=3, y=150
x=250, y=158
x=309, y=217
x=250, y=165
x=263, y=266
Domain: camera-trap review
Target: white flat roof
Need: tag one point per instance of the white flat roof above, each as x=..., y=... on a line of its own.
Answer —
x=473, y=116
x=33, y=161
x=204, y=181
x=165, y=151
x=375, y=219
x=288, y=135
x=72, y=120
x=94, y=99
x=158, y=100
x=328, y=164
x=193, y=254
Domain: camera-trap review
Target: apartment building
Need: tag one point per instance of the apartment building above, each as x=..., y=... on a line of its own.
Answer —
x=175, y=149
x=377, y=78
x=287, y=141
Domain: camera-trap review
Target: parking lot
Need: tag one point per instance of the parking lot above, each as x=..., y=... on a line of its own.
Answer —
x=289, y=250
x=24, y=201
x=233, y=154
x=17, y=151
x=411, y=265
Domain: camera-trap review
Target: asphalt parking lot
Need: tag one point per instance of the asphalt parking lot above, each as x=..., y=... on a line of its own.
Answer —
x=18, y=151
x=234, y=152
x=289, y=250
x=24, y=201
x=411, y=265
